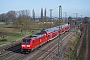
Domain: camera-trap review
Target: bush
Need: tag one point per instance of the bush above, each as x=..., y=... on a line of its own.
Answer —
x=3, y=40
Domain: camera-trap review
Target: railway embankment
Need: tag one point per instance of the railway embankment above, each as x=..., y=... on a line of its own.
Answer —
x=70, y=48
x=89, y=42
x=76, y=48
x=83, y=45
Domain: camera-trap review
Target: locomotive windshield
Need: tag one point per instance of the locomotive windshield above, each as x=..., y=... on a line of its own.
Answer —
x=26, y=41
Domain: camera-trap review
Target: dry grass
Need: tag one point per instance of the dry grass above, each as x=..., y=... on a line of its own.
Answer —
x=69, y=47
x=9, y=30
x=2, y=23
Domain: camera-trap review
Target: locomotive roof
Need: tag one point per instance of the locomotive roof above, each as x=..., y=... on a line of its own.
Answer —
x=36, y=35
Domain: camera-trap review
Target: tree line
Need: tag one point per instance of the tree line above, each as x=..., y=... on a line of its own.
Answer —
x=12, y=15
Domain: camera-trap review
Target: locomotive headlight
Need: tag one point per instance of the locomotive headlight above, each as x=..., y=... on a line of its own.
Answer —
x=28, y=45
x=23, y=45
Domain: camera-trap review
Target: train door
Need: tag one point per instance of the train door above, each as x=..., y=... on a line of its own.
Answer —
x=49, y=36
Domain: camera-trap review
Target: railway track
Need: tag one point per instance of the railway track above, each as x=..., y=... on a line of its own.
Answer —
x=80, y=44
x=14, y=53
x=46, y=51
x=9, y=52
x=86, y=50
x=82, y=53
x=53, y=51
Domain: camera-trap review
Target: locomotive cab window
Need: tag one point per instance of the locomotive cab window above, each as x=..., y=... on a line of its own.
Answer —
x=26, y=41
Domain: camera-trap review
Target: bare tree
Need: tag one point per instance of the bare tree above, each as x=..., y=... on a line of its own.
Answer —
x=23, y=20
x=2, y=17
x=8, y=17
x=41, y=15
x=11, y=16
x=45, y=14
x=3, y=34
x=33, y=14
x=86, y=20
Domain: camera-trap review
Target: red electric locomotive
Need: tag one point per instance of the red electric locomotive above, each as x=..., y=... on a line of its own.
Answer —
x=31, y=42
